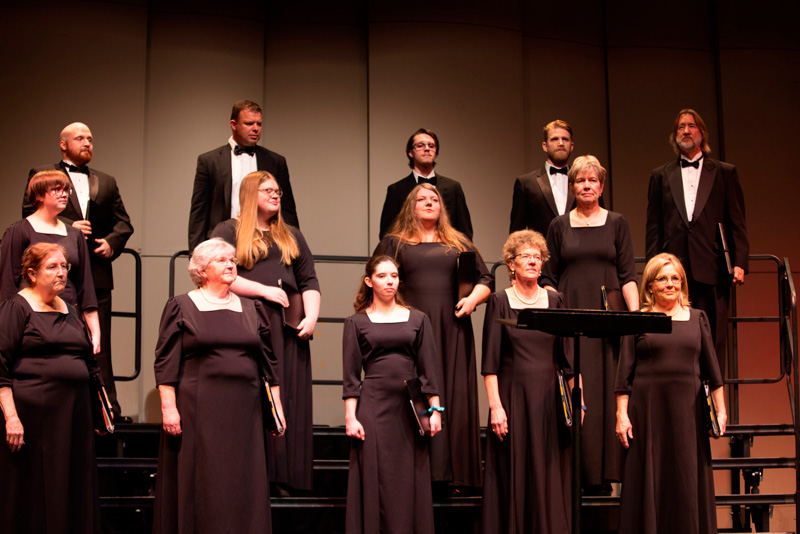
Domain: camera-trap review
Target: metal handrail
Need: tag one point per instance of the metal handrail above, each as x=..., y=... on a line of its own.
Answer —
x=780, y=319
x=136, y=315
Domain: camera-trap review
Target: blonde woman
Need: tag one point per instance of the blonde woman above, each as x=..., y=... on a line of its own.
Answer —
x=270, y=251
x=668, y=483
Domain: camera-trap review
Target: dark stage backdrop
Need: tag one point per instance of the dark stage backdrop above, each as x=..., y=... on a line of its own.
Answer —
x=344, y=83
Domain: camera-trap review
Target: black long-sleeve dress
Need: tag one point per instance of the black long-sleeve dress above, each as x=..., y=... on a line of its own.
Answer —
x=428, y=283
x=50, y=485
x=527, y=478
x=389, y=487
x=290, y=456
x=668, y=482
x=80, y=285
x=213, y=477
x=582, y=259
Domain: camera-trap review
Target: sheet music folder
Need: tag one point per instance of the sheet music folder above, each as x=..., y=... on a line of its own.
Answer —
x=590, y=323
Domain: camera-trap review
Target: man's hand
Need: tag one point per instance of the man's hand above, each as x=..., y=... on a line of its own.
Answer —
x=738, y=275
x=104, y=249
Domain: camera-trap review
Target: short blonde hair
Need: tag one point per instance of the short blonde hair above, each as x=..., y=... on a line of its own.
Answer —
x=651, y=271
x=583, y=163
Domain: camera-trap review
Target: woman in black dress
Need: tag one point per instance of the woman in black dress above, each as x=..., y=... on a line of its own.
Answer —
x=590, y=247
x=213, y=348
x=427, y=248
x=48, y=469
x=526, y=485
x=49, y=191
x=668, y=482
x=389, y=487
x=274, y=260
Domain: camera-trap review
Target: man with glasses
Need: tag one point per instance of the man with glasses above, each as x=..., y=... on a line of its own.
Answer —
x=687, y=200
x=215, y=197
x=422, y=149
x=95, y=208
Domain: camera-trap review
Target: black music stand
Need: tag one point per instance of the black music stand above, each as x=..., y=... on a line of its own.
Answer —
x=588, y=323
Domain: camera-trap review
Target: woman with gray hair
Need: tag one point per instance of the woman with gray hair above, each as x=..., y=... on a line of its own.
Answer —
x=213, y=347
x=527, y=470
x=590, y=248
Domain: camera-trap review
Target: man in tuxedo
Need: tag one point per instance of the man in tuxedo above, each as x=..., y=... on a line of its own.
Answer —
x=96, y=209
x=542, y=195
x=687, y=199
x=219, y=174
x=422, y=149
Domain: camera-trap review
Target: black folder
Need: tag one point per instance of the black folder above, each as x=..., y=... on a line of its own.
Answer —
x=269, y=413
x=565, y=412
x=725, y=250
x=419, y=406
x=101, y=406
x=466, y=273
x=710, y=410
x=295, y=313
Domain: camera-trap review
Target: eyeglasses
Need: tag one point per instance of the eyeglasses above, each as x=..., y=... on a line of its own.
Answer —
x=423, y=146
x=225, y=260
x=269, y=192
x=59, y=191
x=527, y=257
x=55, y=267
x=662, y=280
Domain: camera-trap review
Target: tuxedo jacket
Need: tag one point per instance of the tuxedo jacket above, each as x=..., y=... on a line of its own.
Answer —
x=106, y=212
x=211, y=197
x=534, y=205
x=697, y=243
x=454, y=201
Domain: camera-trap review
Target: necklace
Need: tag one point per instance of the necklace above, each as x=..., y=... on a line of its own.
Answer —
x=522, y=300
x=671, y=313
x=203, y=293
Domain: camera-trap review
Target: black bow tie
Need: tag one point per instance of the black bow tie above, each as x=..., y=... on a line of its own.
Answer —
x=556, y=170
x=249, y=150
x=431, y=180
x=687, y=163
x=72, y=168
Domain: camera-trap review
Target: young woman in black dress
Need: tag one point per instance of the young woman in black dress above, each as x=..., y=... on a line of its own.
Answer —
x=389, y=487
x=427, y=250
x=274, y=259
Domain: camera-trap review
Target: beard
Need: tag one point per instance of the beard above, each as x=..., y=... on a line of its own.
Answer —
x=560, y=159
x=687, y=144
x=80, y=158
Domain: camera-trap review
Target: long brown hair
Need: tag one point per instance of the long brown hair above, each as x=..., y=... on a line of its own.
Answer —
x=365, y=295
x=407, y=228
x=252, y=245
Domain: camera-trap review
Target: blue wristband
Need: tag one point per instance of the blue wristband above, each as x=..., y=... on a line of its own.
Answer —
x=435, y=409
x=583, y=407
